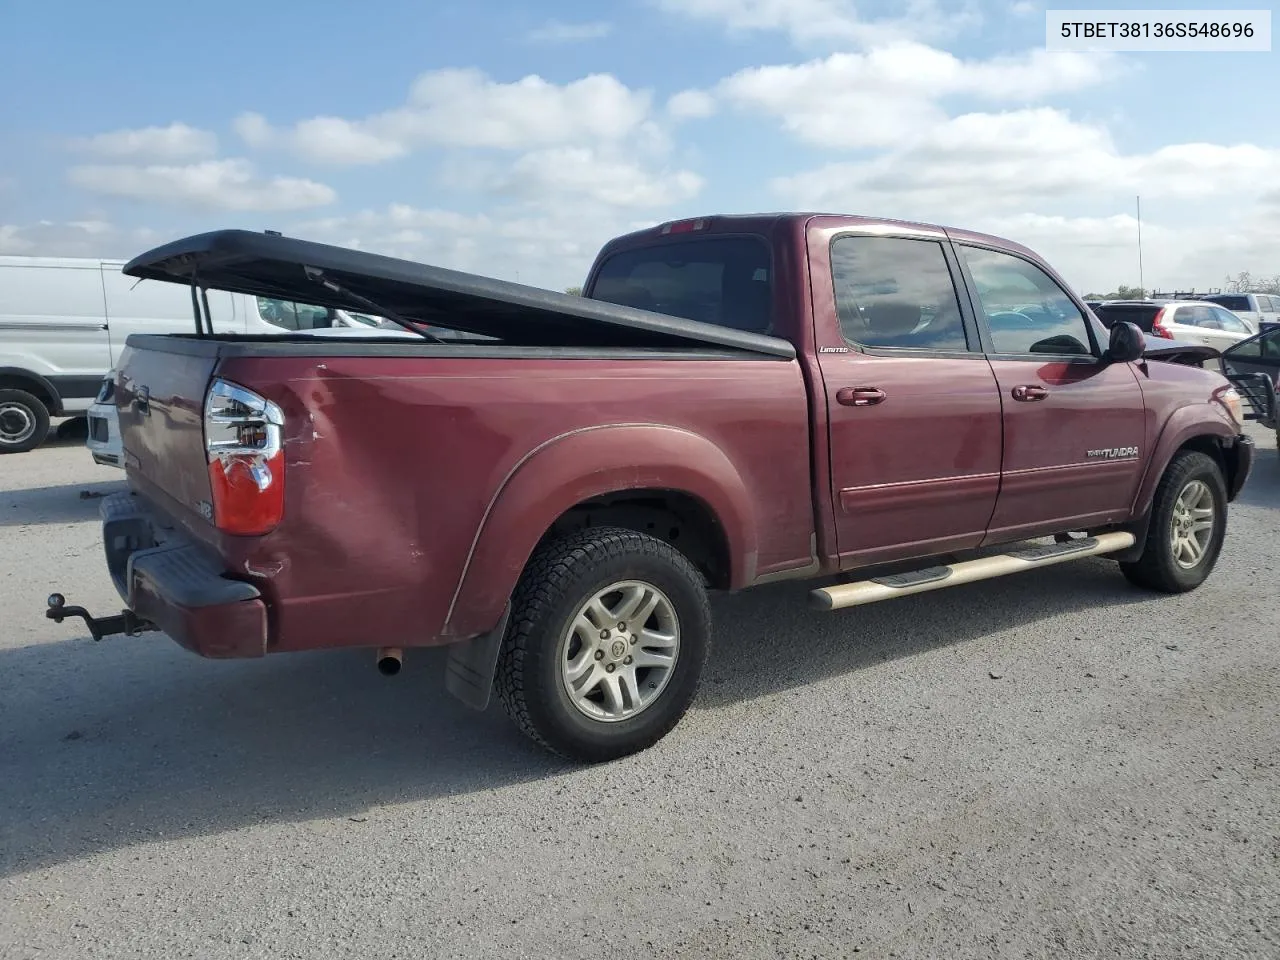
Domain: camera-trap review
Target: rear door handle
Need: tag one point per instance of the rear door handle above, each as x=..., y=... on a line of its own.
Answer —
x=142, y=401
x=859, y=396
x=1029, y=391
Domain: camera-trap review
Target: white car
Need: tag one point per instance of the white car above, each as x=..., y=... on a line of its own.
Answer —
x=1191, y=321
x=103, y=439
x=1259, y=310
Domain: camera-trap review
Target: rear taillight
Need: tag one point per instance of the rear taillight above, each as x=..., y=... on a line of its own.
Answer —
x=1158, y=329
x=242, y=438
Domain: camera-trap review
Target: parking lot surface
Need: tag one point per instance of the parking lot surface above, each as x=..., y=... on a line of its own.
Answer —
x=1049, y=765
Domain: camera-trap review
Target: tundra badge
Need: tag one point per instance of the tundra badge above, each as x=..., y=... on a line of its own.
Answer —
x=1113, y=453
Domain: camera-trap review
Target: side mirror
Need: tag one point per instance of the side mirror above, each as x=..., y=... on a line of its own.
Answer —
x=1127, y=343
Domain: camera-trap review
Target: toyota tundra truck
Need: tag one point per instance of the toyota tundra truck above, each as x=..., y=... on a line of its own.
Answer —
x=551, y=485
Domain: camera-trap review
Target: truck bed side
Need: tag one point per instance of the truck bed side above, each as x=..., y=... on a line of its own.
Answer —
x=417, y=486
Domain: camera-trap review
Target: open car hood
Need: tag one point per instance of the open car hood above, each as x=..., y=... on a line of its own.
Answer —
x=271, y=265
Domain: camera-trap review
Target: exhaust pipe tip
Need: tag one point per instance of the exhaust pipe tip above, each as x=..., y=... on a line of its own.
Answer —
x=389, y=661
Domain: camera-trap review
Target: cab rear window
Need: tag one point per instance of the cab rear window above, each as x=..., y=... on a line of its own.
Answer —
x=1231, y=302
x=722, y=280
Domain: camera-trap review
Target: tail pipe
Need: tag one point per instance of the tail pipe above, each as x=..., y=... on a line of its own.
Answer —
x=389, y=661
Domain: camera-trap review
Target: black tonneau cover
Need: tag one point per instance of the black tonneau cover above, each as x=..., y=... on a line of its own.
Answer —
x=271, y=265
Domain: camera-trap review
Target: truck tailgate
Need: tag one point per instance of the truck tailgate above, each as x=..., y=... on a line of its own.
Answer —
x=160, y=400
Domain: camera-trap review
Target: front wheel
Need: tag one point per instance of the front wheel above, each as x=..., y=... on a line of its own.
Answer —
x=1188, y=525
x=24, y=421
x=604, y=652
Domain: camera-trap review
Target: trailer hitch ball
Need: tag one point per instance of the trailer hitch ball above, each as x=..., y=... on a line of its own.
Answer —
x=57, y=601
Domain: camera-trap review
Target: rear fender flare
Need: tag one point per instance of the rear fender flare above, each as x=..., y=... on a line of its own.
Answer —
x=569, y=469
x=1186, y=423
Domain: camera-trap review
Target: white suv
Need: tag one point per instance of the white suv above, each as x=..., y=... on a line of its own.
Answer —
x=1259, y=310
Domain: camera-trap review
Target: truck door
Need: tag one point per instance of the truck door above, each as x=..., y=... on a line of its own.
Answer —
x=1074, y=423
x=912, y=404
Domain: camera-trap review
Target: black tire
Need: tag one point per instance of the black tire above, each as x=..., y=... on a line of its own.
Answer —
x=560, y=578
x=1157, y=568
x=24, y=421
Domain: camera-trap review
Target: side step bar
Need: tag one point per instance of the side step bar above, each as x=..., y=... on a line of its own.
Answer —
x=855, y=594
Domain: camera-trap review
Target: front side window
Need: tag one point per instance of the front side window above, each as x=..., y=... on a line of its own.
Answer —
x=1026, y=311
x=894, y=292
x=1229, y=321
x=722, y=280
x=1265, y=347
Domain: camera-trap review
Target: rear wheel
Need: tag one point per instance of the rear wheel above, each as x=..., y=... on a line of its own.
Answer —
x=24, y=421
x=1188, y=525
x=609, y=633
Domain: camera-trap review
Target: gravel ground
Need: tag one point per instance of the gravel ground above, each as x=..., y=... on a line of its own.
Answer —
x=1051, y=765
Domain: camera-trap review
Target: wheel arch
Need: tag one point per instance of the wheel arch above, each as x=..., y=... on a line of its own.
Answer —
x=16, y=378
x=583, y=479
x=1187, y=429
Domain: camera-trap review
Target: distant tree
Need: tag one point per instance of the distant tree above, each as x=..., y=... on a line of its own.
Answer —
x=573, y=291
x=1122, y=292
x=1245, y=282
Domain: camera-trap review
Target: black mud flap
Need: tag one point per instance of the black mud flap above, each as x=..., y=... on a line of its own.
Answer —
x=469, y=673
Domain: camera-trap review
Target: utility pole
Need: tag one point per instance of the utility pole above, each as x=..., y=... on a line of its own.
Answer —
x=1142, y=284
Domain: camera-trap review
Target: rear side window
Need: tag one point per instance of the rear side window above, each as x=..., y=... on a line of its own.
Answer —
x=894, y=292
x=722, y=280
x=1111, y=314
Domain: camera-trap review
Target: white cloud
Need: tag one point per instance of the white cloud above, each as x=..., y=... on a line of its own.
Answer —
x=691, y=105
x=464, y=108
x=892, y=94
x=326, y=140
x=553, y=248
x=77, y=238
x=553, y=31
x=1023, y=8
x=1022, y=159
x=827, y=22
x=211, y=185
x=177, y=141
x=571, y=174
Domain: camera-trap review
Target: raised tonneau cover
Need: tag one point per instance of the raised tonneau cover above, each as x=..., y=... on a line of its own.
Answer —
x=271, y=265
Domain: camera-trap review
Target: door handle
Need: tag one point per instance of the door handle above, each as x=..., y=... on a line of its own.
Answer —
x=1028, y=392
x=142, y=401
x=859, y=396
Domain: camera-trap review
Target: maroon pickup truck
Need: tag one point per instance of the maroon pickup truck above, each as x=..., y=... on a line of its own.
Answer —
x=551, y=484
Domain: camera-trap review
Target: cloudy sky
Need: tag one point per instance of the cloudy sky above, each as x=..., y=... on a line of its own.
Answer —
x=512, y=139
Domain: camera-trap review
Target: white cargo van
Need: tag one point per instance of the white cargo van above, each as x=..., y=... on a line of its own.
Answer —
x=64, y=322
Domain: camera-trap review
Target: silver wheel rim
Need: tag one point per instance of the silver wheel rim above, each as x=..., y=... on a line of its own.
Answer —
x=16, y=423
x=620, y=651
x=1191, y=530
